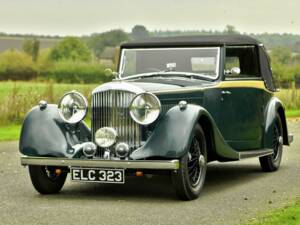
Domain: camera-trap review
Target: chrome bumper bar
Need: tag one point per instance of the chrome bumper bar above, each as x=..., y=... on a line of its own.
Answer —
x=100, y=163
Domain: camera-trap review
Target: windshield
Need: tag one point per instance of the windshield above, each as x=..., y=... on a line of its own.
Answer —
x=203, y=62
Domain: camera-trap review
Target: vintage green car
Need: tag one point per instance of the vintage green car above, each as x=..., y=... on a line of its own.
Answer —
x=176, y=104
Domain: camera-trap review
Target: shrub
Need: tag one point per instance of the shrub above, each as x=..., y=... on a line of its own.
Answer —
x=71, y=48
x=16, y=65
x=79, y=72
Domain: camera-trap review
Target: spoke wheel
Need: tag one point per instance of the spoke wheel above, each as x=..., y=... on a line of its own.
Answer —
x=189, y=179
x=272, y=162
x=46, y=180
x=196, y=163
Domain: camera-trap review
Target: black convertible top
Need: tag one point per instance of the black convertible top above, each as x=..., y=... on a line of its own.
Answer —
x=191, y=41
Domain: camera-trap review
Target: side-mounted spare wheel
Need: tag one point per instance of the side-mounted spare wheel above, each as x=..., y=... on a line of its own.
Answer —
x=189, y=179
x=47, y=180
x=272, y=162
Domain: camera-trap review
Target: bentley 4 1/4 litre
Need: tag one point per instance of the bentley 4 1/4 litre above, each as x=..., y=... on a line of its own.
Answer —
x=176, y=104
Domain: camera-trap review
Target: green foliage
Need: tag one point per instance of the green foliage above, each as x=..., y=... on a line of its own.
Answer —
x=139, y=32
x=32, y=47
x=290, y=98
x=10, y=132
x=230, y=30
x=98, y=42
x=17, y=98
x=281, y=55
x=15, y=65
x=286, y=216
x=270, y=40
x=285, y=65
x=79, y=72
x=71, y=48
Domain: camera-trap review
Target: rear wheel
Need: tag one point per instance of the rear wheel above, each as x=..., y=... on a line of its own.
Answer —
x=272, y=162
x=47, y=180
x=189, y=179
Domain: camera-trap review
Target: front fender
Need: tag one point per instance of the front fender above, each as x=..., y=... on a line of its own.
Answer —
x=173, y=134
x=274, y=106
x=45, y=134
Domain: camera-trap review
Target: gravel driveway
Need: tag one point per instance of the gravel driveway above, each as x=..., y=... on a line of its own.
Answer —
x=233, y=193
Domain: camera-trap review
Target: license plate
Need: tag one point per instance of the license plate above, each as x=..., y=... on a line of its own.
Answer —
x=98, y=175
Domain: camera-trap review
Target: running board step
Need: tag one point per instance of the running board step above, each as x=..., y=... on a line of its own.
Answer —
x=255, y=153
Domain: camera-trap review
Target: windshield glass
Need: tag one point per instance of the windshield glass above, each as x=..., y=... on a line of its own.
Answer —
x=196, y=61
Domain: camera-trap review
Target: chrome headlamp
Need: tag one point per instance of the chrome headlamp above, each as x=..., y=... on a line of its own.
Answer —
x=145, y=108
x=73, y=107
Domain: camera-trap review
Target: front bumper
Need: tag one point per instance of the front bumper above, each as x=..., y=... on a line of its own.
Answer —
x=101, y=163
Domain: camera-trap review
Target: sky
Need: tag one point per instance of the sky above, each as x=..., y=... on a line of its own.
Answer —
x=83, y=17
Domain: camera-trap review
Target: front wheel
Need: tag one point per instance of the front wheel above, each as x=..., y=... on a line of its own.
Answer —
x=272, y=162
x=47, y=180
x=189, y=179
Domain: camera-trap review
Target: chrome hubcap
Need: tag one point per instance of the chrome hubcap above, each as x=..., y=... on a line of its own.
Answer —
x=201, y=161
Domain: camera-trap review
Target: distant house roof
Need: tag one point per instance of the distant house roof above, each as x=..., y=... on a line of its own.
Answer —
x=108, y=53
x=190, y=41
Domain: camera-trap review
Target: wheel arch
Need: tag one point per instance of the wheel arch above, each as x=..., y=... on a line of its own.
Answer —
x=207, y=127
x=281, y=112
x=274, y=108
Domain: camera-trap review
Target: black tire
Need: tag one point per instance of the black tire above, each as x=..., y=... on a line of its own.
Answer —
x=45, y=180
x=271, y=163
x=188, y=181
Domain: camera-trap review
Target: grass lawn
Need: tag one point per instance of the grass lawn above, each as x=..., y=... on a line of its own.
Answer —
x=287, y=216
x=12, y=132
x=9, y=133
x=42, y=88
x=292, y=113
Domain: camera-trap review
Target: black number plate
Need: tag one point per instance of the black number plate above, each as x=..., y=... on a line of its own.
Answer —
x=98, y=175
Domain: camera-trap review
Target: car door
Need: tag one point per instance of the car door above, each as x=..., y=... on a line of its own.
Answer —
x=241, y=99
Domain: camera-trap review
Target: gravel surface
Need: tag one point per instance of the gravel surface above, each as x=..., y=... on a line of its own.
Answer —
x=233, y=193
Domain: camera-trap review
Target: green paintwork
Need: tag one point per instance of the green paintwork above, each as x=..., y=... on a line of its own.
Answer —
x=240, y=119
x=172, y=136
x=45, y=134
x=274, y=106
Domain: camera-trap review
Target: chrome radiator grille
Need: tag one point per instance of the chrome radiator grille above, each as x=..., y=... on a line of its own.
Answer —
x=111, y=109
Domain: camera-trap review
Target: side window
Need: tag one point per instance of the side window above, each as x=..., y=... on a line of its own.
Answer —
x=241, y=62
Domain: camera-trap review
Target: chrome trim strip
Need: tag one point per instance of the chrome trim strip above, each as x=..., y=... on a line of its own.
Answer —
x=255, y=153
x=130, y=164
x=120, y=86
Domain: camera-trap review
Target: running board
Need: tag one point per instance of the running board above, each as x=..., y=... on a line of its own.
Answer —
x=255, y=153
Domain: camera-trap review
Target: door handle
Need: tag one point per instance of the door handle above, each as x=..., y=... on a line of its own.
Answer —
x=226, y=92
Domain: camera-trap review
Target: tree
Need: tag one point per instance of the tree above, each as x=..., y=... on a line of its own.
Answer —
x=139, y=32
x=230, y=30
x=71, y=48
x=32, y=48
x=113, y=38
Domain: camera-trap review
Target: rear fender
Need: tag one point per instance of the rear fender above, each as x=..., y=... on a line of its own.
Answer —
x=274, y=106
